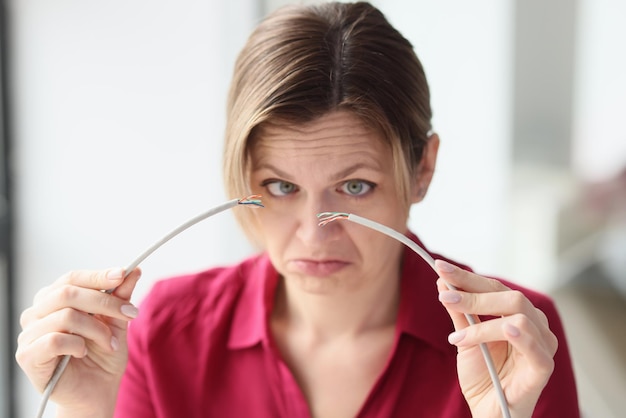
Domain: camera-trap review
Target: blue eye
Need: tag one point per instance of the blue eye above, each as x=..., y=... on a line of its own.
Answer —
x=280, y=188
x=356, y=187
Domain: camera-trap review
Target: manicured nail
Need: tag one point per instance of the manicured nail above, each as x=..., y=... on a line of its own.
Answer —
x=512, y=330
x=456, y=336
x=115, y=344
x=115, y=274
x=130, y=311
x=449, y=296
x=444, y=266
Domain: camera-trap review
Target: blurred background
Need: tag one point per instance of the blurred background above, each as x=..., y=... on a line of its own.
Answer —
x=112, y=121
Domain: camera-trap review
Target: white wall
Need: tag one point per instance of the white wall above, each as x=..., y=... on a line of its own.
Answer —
x=118, y=133
x=465, y=48
x=600, y=105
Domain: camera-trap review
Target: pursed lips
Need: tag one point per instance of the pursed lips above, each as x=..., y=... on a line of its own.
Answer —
x=318, y=268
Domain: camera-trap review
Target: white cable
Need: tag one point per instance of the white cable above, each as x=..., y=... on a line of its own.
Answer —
x=60, y=368
x=326, y=217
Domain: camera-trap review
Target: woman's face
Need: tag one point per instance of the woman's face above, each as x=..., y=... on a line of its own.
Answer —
x=333, y=164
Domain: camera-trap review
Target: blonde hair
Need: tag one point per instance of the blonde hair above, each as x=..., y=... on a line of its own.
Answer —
x=302, y=62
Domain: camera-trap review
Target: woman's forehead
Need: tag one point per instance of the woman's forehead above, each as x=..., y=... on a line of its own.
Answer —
x=337, y=128
x=340, y=135
x=334, y=120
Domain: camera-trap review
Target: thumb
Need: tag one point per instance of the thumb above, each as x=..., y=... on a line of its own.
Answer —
x=125, y=290
x=458, y=318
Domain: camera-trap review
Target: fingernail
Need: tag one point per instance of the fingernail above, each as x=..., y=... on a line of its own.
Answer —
x=512, y=330
x=115, y=274
x=115, y=344
x=449, y=296
x=456, y=336
x=129, y=310
x=444, y=266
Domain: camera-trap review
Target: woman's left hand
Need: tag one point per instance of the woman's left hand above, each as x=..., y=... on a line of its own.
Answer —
x=519, y=340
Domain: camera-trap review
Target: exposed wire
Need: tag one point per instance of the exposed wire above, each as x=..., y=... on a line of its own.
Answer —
x=252, y=200
x=327, y=217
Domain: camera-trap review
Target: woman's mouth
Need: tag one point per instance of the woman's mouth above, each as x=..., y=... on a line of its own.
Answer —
x=318, y=268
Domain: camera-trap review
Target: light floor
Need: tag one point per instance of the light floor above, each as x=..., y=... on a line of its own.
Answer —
x=594, y=317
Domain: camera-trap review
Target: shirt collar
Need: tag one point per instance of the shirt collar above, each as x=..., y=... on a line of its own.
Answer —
x=420, y=314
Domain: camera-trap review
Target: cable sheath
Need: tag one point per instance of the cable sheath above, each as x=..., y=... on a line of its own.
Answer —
x=331, y=216
x=62, y=365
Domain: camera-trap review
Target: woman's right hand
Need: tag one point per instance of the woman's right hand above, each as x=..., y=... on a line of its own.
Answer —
x=73, y=316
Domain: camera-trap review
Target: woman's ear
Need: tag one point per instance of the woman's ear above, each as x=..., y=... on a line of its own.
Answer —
x=425, y=169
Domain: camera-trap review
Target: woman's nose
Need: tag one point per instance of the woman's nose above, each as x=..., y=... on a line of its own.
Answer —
x=308, y=230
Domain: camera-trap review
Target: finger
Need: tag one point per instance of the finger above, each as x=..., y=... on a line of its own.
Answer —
x=542, y=317
x=494, y=303
x=89, y=279
x=502, y=303
x=94, y=279
x=459, y=320
x=466, y=280
x=125, y=289
x=82, y=299
x=538, y=351
x=70, y=321
x=522, y=333
x=46, y=350
x=124, y=292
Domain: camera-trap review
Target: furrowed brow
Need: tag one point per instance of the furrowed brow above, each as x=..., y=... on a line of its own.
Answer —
x=354, y=168
x=273, y=168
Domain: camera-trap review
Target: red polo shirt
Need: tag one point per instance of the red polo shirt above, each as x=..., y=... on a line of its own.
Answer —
x=201, y=347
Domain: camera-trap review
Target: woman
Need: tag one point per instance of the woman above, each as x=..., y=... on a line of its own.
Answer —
x=328, y=111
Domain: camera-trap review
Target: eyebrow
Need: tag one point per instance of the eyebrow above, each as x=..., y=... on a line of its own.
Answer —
x=340, y=175
x=354, y=168
x=273, y=168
